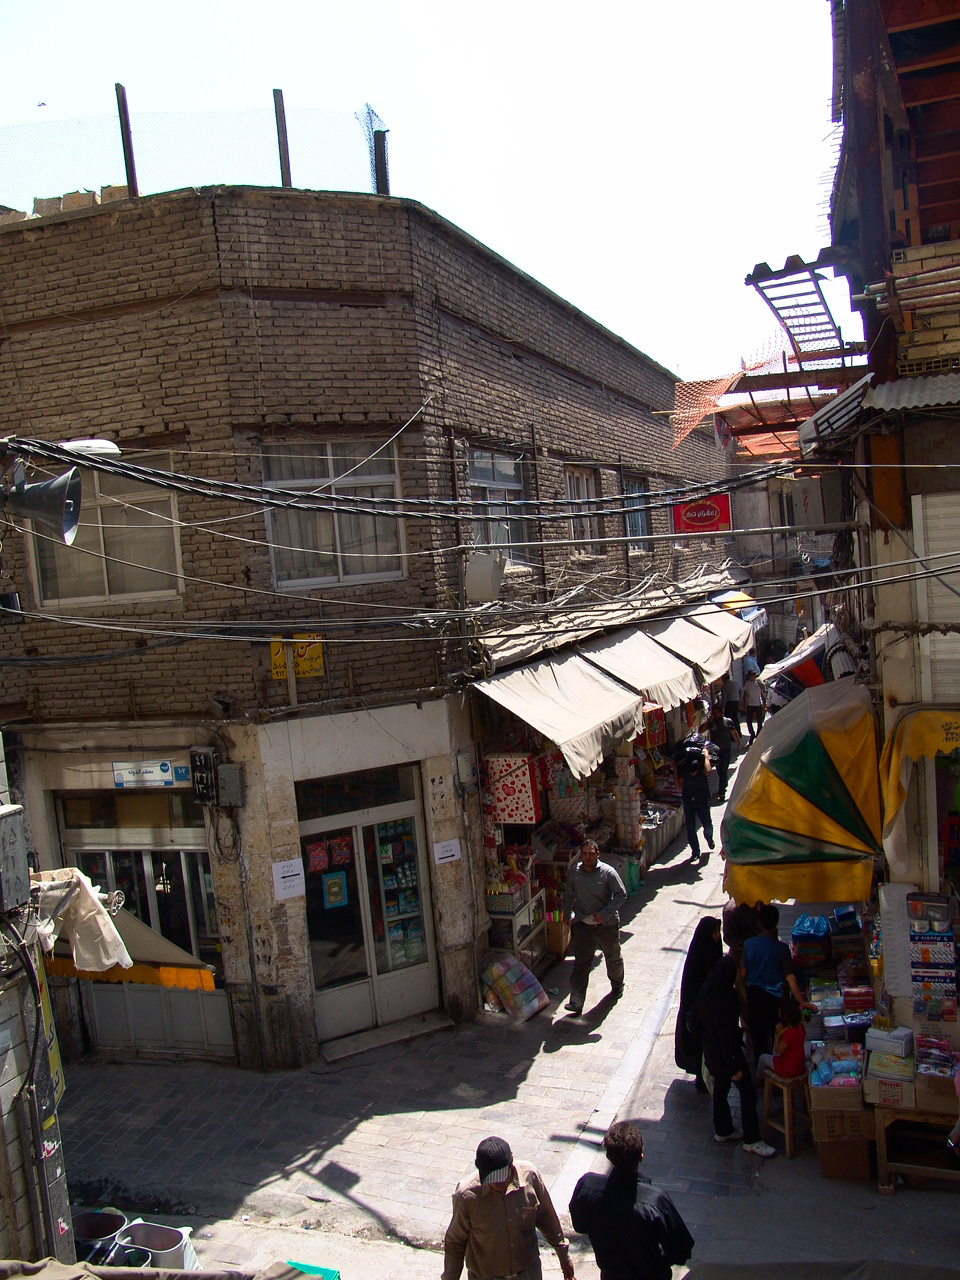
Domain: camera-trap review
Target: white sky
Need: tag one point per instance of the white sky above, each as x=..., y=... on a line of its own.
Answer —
x=638, y=158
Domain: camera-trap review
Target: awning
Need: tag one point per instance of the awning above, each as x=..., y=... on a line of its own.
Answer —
x=699, y=647
x=924, y=732
x=644, y=665
x=723, y=624
x=569, y=701
x=504, y=646
x=156, y=960
x=807, y=660
x=734, y=600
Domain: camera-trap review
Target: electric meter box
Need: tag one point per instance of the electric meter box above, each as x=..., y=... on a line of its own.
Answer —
x=14, y=867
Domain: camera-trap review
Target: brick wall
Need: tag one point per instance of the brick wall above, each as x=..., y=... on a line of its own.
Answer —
x=206, y=322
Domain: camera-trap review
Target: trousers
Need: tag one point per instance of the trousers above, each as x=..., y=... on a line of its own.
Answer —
x=692, y=810
x=722, y=1119
x=587, y=940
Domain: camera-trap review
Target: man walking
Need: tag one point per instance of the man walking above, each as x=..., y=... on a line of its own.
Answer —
x=730, y=694
x=496, y=1214
x=635, y=1229
x=722, y=735
x=592, y=898
x=695, y=794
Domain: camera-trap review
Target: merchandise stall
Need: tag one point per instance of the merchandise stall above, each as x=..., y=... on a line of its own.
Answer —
x=536, y=812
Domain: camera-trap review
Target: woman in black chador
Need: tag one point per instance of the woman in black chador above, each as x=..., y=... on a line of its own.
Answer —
x=705, y=950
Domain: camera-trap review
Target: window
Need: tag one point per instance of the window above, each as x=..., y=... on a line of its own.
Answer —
x=347, y=542
x=126, y=544
x=637, y=513
x=584, y=527
x=170, y=890
x=496, y=482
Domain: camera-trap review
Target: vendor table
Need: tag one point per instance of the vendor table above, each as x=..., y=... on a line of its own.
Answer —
x=912, y=1142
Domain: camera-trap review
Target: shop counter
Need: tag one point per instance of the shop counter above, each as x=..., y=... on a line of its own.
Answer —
x=914, y=1143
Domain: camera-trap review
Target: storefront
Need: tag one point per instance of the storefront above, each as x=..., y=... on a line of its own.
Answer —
x=367, y=899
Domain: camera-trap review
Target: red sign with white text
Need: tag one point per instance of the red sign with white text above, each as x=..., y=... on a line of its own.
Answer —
x=706, y=515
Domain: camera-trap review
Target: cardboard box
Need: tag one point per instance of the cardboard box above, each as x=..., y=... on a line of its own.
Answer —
x=899, y=1040
x=844, y=1126
x=889, y=1093
x=558, y=937
x=937, y=1094
x=847, y=1160
x=834, y=1098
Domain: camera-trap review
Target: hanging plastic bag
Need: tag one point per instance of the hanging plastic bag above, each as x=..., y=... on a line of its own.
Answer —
x=513, y=984
x=811, y=927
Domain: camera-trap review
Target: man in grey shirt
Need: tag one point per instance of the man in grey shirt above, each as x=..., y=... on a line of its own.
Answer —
x=592, y=899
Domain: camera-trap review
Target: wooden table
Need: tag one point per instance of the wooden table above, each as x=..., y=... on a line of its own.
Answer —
x=917, y=1146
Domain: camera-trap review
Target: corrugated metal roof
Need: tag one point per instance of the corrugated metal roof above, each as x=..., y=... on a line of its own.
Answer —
x=915, y=393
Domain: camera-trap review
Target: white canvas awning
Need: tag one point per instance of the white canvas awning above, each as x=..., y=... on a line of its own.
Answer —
x=583, y=711
x=699, y=647
x=644, y=665
x=724, y=624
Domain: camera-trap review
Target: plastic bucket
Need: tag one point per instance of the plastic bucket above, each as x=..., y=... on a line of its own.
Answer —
x=99, y=1226
x=166, y=1245
x=129, y=1256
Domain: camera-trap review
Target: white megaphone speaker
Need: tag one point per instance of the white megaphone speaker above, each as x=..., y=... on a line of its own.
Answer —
x=52, y=504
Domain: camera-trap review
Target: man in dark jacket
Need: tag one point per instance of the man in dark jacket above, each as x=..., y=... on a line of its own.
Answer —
x=723, y=735
x=695, y=793
x=635, y=1230
x=718, y=1006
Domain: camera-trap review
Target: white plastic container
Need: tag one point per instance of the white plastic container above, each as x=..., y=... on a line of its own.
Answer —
x=169, y=1247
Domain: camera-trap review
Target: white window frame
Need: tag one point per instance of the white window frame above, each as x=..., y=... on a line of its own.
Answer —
x=494, y=524
x=582, y=488
x=636, y=497
x=96, y=508
x=329, y=484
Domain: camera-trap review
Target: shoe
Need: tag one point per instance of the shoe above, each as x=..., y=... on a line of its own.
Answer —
x=953, y=1148
x=710, y=842
x=573, y=1007
x=763, y=1149
x=616, y=992
x=734, y=1136
x=721, y=798
x=700, y=1085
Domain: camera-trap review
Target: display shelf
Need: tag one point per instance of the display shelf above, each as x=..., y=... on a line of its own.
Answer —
x=912, y=1143
x=522, y=932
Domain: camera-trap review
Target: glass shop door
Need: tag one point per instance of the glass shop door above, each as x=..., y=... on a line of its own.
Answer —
x=368, y=919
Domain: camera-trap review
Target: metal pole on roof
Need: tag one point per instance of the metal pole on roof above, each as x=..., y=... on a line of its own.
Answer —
x=285, y=180
x=126, y=137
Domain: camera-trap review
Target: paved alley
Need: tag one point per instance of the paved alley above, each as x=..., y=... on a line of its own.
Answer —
x=319, y=1163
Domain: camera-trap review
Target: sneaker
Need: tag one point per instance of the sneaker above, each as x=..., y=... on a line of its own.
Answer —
x=763, y=1149
x=573, y=1007
x=616, y=992
x=735, y=1136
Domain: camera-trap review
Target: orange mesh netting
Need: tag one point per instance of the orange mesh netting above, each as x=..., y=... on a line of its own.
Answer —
x=694, y=401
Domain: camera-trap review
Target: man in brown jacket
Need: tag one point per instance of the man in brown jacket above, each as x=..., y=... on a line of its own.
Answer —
x=496, y=1213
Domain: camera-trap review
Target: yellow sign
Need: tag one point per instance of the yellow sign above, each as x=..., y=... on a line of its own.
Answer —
x=50, y=1035
x=307, y=656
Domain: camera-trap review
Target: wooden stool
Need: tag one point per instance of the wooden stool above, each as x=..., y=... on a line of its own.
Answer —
x=789, y=1120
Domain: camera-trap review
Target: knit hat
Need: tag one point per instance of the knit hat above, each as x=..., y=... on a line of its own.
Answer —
x=494, y=1159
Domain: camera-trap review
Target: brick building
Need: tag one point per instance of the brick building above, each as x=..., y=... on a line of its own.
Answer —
x=360, y=348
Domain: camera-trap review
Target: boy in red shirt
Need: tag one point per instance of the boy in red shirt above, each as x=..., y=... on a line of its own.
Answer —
x=788, y=1058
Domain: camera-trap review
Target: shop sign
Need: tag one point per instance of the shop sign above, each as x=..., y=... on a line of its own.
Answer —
x=143, y=773
x=706, y=515
x=307, y=655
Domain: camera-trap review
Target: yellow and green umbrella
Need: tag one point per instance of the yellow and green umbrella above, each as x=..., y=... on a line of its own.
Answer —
x=804, y=816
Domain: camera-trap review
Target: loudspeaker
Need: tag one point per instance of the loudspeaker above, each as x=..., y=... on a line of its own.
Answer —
x=53, y=504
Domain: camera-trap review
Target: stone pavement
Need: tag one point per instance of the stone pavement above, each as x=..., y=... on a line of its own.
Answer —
x=352, y=1165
